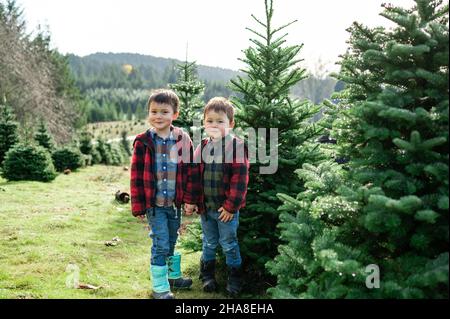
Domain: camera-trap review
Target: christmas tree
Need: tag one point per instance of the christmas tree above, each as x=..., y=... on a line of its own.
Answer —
x=387, y=215
x=8, y=129
x=43, y=137
x=263, y=101
x=189, y=89
x=124, y=143
x=86, y=145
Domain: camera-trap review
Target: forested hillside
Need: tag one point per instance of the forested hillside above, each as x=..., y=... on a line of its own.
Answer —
x=34, y=78
x=117, y=84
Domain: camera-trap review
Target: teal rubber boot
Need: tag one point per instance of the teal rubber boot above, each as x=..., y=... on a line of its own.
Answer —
x=160, y=282
x=176, y=280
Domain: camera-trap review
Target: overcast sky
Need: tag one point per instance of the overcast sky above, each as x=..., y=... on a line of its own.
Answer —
x=214, y=29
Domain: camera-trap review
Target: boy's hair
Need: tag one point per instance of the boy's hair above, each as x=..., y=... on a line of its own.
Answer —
x=220, y=104
x=164, y=96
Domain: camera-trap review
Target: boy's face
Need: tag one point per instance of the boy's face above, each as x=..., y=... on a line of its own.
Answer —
x=217, y=124
x=161, y=116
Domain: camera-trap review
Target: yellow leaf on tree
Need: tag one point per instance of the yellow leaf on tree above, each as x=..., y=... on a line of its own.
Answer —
x=127, y=68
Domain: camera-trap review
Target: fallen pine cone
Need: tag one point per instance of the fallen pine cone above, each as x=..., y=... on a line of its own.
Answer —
x=110, y=243
x=113, y=242
x=122, y=197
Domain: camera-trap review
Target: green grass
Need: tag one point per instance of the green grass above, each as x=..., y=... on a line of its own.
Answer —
x=44, y=227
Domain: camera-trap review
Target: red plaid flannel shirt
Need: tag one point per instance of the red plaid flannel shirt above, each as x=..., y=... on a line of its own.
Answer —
x=235, y=177
x=143, y=177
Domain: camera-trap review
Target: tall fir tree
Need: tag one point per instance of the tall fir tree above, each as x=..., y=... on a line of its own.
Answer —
x=263, y=101
x=8, y=129
x=190, y=90
x=390, y=208
x=43, y=137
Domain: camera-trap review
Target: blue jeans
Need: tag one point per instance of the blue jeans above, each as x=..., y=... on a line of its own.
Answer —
x=164, y=224
x=216, y=232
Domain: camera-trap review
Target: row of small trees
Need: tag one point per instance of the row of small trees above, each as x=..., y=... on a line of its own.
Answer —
x=40, y=159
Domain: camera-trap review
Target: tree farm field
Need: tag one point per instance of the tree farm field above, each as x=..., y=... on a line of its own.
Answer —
x=46, y=228
x=113, y=129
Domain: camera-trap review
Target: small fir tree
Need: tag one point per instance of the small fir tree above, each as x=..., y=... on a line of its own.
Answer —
x=8, y=129
x=190, y=90
x=28, y=162
x=124, y=143
x=43, y=137
x=86, y=146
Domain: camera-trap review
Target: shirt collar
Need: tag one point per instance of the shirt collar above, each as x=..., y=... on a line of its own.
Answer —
x=171, y=136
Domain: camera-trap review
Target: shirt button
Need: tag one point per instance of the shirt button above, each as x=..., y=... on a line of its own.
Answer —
x=165, y=179
x=164, y=168
x=165, y=192
x=164, y=155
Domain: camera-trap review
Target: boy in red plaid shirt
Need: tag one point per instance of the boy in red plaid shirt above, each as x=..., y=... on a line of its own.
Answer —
x=220, y=181
x=161, y=181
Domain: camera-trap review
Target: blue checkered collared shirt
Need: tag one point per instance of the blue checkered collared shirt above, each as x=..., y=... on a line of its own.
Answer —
x=166, y=157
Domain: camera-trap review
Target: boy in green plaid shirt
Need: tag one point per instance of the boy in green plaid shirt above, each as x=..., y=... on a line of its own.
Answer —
x=222, y=187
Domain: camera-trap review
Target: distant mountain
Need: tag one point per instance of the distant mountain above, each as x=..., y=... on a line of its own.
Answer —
x=160, y=65
x=117, y=84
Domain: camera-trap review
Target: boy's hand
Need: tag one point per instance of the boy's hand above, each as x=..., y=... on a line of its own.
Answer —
x=189, y=209
x=225, y=216
x=141, y=217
